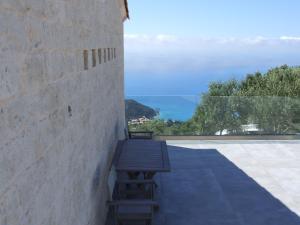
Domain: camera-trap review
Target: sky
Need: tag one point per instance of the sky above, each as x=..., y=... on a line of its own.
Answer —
x=179, y=47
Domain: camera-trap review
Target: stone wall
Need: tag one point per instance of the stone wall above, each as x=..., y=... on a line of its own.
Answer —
x=59, y=119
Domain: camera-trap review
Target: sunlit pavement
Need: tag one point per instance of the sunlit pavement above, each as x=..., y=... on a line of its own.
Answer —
x=230, y=183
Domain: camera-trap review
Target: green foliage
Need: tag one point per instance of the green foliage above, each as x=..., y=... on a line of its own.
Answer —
x=271, y=100
x=161, y=127
x=216, y=111
x=282, y=81
x=216, y=114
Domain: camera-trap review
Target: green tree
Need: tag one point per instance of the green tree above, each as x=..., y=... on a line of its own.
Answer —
x=218, y=111
x=272, y=100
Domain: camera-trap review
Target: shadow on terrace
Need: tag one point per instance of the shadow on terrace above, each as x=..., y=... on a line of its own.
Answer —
x=205, y=188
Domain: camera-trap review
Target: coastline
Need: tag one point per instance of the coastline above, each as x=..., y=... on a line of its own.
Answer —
x=176, y=108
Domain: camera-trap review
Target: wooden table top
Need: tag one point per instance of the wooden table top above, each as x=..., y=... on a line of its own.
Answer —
x=142, y=156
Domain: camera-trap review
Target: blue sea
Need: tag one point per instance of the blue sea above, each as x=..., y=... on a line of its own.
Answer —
x=175, y=95
x=180, y=108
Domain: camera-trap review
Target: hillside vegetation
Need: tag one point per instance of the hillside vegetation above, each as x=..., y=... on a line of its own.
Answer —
x=136, y=110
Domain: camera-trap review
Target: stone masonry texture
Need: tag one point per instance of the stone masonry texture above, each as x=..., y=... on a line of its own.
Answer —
x=59, y=123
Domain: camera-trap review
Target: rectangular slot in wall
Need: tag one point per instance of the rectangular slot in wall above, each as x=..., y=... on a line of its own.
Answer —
x=108, y=54
x=100, y=55
x=94, y=57
x=104, y=55
x=86, y=59
x=115, y=53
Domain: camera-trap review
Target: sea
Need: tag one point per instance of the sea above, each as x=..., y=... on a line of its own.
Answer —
x=176, y=96
x=176, y=108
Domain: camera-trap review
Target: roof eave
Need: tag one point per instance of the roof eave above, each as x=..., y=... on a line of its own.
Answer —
x=127, y=10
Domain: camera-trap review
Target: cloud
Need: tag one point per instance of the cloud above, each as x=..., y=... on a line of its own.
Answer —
x=167, y=53
x=287, y=38
x=164, y=38
x=156, y=38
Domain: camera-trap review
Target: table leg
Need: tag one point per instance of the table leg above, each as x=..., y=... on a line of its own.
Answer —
x=133, y=175
x=149, y=176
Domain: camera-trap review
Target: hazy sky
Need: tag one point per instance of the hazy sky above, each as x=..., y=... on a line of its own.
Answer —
x=215, y=18
x=208, y=39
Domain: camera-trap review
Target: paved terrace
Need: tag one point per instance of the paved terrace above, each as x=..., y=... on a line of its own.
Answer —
x=231, y=183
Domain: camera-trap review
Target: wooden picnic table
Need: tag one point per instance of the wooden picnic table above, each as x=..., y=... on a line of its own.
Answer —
x=147, y=156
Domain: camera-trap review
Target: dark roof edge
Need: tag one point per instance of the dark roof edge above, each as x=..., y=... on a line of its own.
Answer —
x=127, y=10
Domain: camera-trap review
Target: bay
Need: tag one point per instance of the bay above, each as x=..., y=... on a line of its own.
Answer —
x=179, y=108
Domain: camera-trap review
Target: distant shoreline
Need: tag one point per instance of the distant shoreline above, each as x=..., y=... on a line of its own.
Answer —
x=176, y=108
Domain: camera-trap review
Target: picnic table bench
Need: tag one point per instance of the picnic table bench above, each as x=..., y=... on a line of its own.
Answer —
x=146, y=156
x=136, y=156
